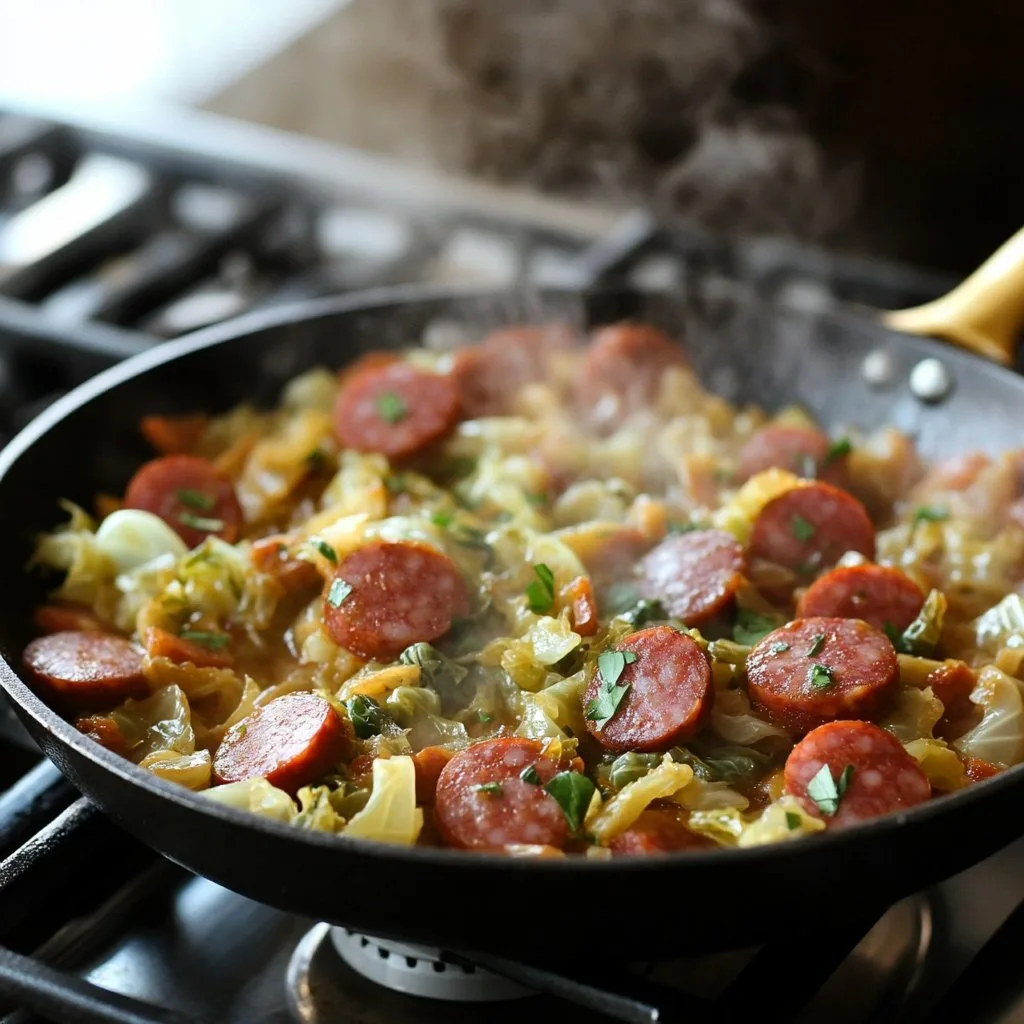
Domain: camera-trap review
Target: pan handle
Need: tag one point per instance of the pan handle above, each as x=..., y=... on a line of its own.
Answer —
x=984, y=314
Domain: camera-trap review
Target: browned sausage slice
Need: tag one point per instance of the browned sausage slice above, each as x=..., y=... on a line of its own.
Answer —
x=877, y=594
x=290, y=742
x=386, y=596
x=626, y=362
x=810, y=528
x=669, y=692
x=395, y=409
x=659, y=829
x=694, y=575
x=870, y=771
x=85, y=670
x=189, y=495
x=805, y=451
x=489, y=375
x=484, y=803
x=814, y=670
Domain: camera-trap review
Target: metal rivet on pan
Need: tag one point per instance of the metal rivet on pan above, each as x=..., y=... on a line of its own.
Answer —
x=930, y=381
x=878, y=368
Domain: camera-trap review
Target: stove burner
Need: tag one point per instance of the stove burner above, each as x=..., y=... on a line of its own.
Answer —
x=420, y=971
x=334, y=972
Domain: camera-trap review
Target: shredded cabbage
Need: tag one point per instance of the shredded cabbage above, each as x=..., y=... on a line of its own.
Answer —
x=161, y=722
x=701, y=795
x=915, y=716
x=257, y=796
x=781, y=821
x=131, y=537
x=319, y=809
x=391, y=814
x=733, y=720
x=73, y=550
x=189, y=770
x=1001, y=626
x=738, y=514
x=944, y=769
x=554, y=712
x=723, y=824
x=999, y=737
x=615, y=816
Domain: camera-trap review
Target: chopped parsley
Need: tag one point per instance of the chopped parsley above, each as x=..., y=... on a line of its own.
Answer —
x=213, y=641
x=201, y=522
x=817, y=642
x=822, y=789
x=779, y=648
x=484, y=716
x=610, y=666
x=838, y=450
x=820, y=677
x=490, y=788
x=316, y=460
x=325, y=549
x=366, y=716
x=792, y=820
x=573, y=792
x=391, y=407
x=929, y=514
x=802, y=530
x=338, y=591
x=529, y=774
x=895, y=636
x=196, y=499
x=441, y=518
x=751, y=627
x=540, y=594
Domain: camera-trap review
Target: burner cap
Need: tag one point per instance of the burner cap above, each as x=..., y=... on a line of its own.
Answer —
x=420, y=971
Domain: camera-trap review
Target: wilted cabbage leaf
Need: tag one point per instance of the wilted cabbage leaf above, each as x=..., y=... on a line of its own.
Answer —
x=617, y=814
x=999, y=737
x=257, y=796
x=391, y=814
x=780, y=822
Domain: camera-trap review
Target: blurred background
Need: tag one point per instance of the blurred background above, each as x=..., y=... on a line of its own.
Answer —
x=882, y=129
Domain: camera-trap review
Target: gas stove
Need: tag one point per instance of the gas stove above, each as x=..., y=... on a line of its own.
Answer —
x=118, y=231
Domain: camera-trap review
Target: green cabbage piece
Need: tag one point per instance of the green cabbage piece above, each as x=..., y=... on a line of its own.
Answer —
x=391, y=814
x=417, y=709
x=999, y=737
x=1001, y=626
x=256, y=796
x=319, y=809
x=159, y=722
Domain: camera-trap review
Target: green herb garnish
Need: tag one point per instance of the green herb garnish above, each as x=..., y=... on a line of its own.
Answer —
x=821, y=677
x=201, y=522
x=610, y=666
x=822, y=789
x=441, y=518
x=213, y=641
x=802, y=530
x=928, y=514
x=529, y=774
x=573, y=792
x=540, y=594
x=325, y=549
x=484, y=716
x=490, y=788
x=792, y=820
x=838, y=450
x=366, y=716
x=391, y=407
x=196, y=499
x=751, y=627
x=817, y=642
x=337, y=592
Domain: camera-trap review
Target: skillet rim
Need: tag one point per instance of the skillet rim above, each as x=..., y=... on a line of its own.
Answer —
x=379, y=300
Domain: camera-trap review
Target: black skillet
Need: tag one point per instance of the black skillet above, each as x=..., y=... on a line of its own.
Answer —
x=746, y=351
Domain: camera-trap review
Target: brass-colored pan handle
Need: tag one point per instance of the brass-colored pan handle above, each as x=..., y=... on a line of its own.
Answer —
x=984, y=314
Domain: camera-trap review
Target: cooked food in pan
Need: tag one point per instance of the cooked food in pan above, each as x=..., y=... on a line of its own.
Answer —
x=543, y=597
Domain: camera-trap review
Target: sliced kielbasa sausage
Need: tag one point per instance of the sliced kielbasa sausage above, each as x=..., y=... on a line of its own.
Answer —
x=871, y=774
x=429, y=763
x=801, y=450
x=85, y=670
x=490, y=375
x=626, y=362
x=879, y=595
x=395, y=409
x=659, y=829
x=290, y=742
x=386, y=596
x=810, y=528
x=484, y=803
x=160, y=643
x=189, y=495
x=814, y=670
x=694, y=575
x=668, y=692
